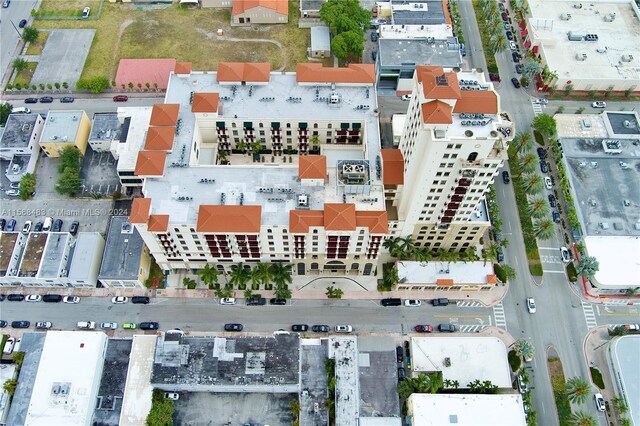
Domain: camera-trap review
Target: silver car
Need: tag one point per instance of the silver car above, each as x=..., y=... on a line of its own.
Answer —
x=109, y=325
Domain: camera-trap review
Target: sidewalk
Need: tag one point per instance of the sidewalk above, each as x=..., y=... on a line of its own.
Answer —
x=595, y=347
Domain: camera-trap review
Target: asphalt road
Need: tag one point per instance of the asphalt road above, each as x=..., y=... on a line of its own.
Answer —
x=90, y=105
x=10, y=33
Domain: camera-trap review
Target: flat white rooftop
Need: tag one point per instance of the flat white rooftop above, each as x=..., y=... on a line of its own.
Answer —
x=619, y=260
x=464, y=359
x=127, y=153
x=466, y=410
x=431, y=272
x=61, y=126
x=136, y=402
x=603, y=56
x=623, y=354
x=68, y=377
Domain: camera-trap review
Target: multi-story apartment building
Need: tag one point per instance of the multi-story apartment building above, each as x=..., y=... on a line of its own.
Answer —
x=264, y=167
x=454, y=141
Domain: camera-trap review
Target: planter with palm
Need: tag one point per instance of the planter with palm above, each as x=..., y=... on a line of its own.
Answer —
x=538, y=208
x=239, y=276
x=532, y=184
x=282, y=278
x=209, y=276
x=544, y=229
x=522, y=142
x=578, y=390
x=528, y=163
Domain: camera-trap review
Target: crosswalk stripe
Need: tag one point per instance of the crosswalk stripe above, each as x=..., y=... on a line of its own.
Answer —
x=589, y=315
x=471, y=328
x=499, y=316
x=463, y=304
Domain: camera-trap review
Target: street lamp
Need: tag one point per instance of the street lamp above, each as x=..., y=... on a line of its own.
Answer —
x=15, y=28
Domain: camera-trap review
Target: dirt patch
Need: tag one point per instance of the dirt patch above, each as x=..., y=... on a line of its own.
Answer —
x=36, y=48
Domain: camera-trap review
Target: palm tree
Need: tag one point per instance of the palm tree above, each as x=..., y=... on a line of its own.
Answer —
x=544, y=229
x=524, y=349
x=490, y=252
x=208, y=275
x=587, y=266
x=240, y=276
x=30, y=34
x=281, y=275
x=261, y=275
x=529, y=162
x=447, y=256
x=406, y=246
x=532, y=184
x=453, y=384
x=429, y=383
x=469, y=255
x=522, y=142
x=392, y=245
x=498, y=43
x=582, y=419
x=242, y=147
x=422, y=254
x=538, y=208
x=531, y=67
x=19, y=64
x=390, y=276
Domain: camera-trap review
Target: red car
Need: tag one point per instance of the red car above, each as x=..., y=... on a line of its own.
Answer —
x=426, y=328
x=120, y=98
x=505, y=16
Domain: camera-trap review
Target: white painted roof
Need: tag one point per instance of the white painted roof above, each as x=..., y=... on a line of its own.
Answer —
x=612, y=253
x=430, y=272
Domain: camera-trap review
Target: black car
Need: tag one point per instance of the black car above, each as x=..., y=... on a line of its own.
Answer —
x=23, y=23
x=543, y=167
x=399, y=354
x=374, y=36
x=401, y=374
x=552, y=200
x=256, y=301
x=31, y=101
x=392, y=301
x=38, y=227
x=509, y=35
x=556, y=216
x=515, y=57
x=446, y=328
x=515, y=83
x=149, y=325
x=299, y=327
x=57, y=225
x=11, y=225
x=500, y=255
x=542, y=153
x=440, y=302
x=320, y=328
x=20, y=324
x=74, y=227
x=3, y=323
x=233, y=327
x=52, y=298
x=67, y=99
x=505, y=177
x=140, y=299
x=518, y=69
x=3, y=223
x=15, y=297
x=2, y=297
x=280, y=302
x=46, y=100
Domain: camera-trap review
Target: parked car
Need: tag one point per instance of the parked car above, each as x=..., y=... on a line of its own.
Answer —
x=463, y=50
x=279, y=302
x=565, y=255
x=48, y=222
x=109, y=325
x=299, y=327
x=120, y=98
x=548, y=183
x=555, y=215
x=174, y=396
x=374, y=36
x=71, y=299
x=446, y=328
x=119, y=299
x=86, y=325
x=500, y=255
x=515, y=83
x=86, y=12
x=256, y=301
x=129, y=326
x=20, y=324
x=423, y=328
x=515, y=56
x=632, y=327
x=541, y=101
x=15, y=297
x=518, y=69
x=401, y=374
x=542, y=153
x=22, y=23
x=543, y=167
x=598, y=104
x=412, y=302
x=37, y=227
x=34, y=298
x=343, y=329
x=374, y=55
x=399, y=354
x=320, y=328
x=6, y=3
x=505, y=177
x=27, y=227
x=144, y=300
x=67, y=99
x=509, y=35
x=531, y=305
x=57, y=225
x=513, y=45
x=43, y=325
x=599, y=400
x=52, y=298
x=443, y=301
x=3, y=323
x=31, y=101
x=233, y=327
x=504, y=16
x=3, y=223
x=11, y=225
x=392, y=301
x=552, y=200
x=12, y=192
x=149, y=325
x=228, y=301
x=8, y=345
x=73, y=230
x=522, y=386
x=46, y=99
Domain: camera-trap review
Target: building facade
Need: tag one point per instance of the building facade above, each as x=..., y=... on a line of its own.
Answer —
x=65, y=128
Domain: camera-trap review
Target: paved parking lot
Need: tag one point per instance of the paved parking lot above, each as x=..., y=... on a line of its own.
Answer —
x=98, y=173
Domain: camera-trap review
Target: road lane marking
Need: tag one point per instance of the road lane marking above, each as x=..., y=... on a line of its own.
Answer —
x=589, y=315
x=458, y=316
x=548, y=248
x=546, y=271
x=499, y=317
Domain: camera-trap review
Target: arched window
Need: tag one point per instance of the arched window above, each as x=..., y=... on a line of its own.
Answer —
x=314, y=266
x=300, y=268
x=367, y=268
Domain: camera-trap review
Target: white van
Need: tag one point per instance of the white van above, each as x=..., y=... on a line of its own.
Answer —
x=21, y=110
x=48, y=221
x=86, y=325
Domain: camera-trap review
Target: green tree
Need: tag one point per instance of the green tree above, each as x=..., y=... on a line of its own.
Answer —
x=69, y=182
x=422, y=254
x=531, y=67
x=5, y=110
x=529, y=162
x=544, y=229
x=239, y=276
x=620, y=405
x=469, y=255
x=429, y=382
x=532, y=184
x=509, y=272
x=97, y=84
x=484, y=387
x=392, y=245
x=406, y=246
x=545, y=125
x=69, y=158
x=261, y=275
x=588, y=266
x=577, y=390
x=451, y=384
x=208, y=275
x=498, y=43
x=27, y=186
x=344, y=15
x=282, y=278
x=347, y=43
x=57, y=86
x=581, y=419
x=524, y=349
x=19, y=65
x=30, y=34
x=334, y=292
x=161, y=413
x=568, y=88
x=522, y=142
x=390, y=276
x=9, y=386
x=490, y=252
x=538, y=208
x=189, y=283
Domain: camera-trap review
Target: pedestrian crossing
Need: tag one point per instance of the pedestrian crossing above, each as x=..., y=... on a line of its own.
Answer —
x=463, y=304
x=616, y=302
x=499, y=317
x=471, y=328
x=537, y=108
x=589, y=315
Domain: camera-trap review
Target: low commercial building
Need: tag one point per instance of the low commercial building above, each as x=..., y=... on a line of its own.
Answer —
x=247, y=12
x=19, y=144
x=126, y=261
x=320, y=42
x=65, y=128
x=105, y=131
x=622, y=358
x=446, y=276
x=133, y=134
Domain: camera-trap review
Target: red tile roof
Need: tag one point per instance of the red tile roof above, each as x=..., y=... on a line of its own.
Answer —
x=492, y=279
x=150, y=163
x=158, y=223
x=436, y=84
x=244, y=71
x=340, y=217
x=312, y=167
x=164, y=115
x=229, y=219
x=140, y=210
x=436, y=112
x=241, y=6
x=160, y=138
x=376, y=221
x=301, y=220
x=392, y=167
x=182, y=68
x=354, y=73
x=144, y=71
x=477, y=102
x=205, y=102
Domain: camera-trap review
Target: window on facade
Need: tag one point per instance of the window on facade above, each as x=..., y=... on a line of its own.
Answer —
x=472, y=156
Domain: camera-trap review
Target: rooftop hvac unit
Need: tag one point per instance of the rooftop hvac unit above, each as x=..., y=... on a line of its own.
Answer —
x=626, y=58
x=353, y=170
x=574, y=36
x=335, y=99
x=610, y=17
x=581, y=57
x=565, y=16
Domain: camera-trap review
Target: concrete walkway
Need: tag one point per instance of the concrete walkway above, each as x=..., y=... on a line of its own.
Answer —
x=595, y=348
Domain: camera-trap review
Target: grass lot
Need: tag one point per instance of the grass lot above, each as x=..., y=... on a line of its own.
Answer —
x=559, y=390
x=36, y=48
x=124, y=31
x=485, y=35
x=67, y=8
x=24, y=78
x=155, y=273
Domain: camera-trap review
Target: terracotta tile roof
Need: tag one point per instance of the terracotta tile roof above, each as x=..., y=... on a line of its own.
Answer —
x=205, y=102
x=182, y=68
x=301, y=220
x=392, y=167
x=158, y=223
x=150, y=163
x=143, y=71
x=140, y=210
x=437, y=84
x=340, y=217
x=376, y=221
x=244, y=71
x=241, y=6
x=492, y=279
x=442, y=282
x=354, y=73
x=164, y=115
x=312, y=167
x=478, y=102
x=229, y=219
x=160, y=138
x=436, y=112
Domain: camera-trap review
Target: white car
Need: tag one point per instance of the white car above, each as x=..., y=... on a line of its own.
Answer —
x=43, y=325
x=541, y=101
x=513, y=45
x=598, y=104
x=406, y=97
x=531, y=305
x=71, y=299
x=343, y=329
x=120, y=299
x=109, y=325
x=33, y=298
x=8, y=346
x=412, y=302
x=172, y=395
x=12, y=192
x=548, y=183
x=86, y=12
x=228, y=301
x=27, y=227
x=599, y=400
x=565, y=255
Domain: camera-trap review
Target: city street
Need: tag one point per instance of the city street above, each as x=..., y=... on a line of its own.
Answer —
x=10, y=33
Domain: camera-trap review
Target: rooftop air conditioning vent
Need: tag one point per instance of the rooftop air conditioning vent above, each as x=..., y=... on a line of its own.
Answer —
x=626, y=58
x=581, y=57
x=565, y=16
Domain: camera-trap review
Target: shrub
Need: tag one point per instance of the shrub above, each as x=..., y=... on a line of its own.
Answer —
x=596, y=376
x=514, y=361
x=572, y=274
x=500, y=273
